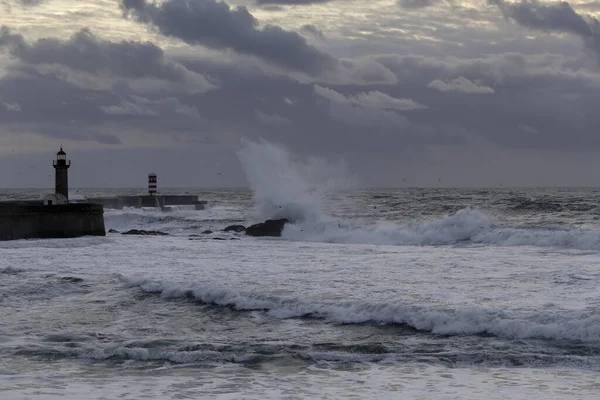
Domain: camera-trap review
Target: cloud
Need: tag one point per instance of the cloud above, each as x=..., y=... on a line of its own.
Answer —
x=141, y=106
x=87, y=60
x=213, y=24
x=416, y=4
x=313, y=31
x=292, y=2
x=460, y=84
x=368, y=108
x=272, y=119
x=527, y=128
x=12, y=107
x=376, y=99
x=22, y=3
x=555, y=17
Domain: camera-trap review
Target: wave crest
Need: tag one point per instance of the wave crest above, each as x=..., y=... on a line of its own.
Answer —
x=467, y=321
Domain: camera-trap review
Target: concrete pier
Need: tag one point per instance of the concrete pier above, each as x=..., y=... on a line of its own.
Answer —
x=29, y=220
x=159, y=201
x=52, y=217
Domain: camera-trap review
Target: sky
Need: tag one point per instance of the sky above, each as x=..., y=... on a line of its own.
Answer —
x=403, y=93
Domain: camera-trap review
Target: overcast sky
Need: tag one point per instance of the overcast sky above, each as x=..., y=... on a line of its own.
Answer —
x=405, y=93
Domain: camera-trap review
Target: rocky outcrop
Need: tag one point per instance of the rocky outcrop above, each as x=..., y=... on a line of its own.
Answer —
x=271, y=227
x=207, y=232
x=145, y=233
x=235, y=228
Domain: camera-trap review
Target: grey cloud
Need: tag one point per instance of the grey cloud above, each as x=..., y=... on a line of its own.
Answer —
x=84, y=53
x=22, y=3
x=556, y=17
x=292, y=2
x=105, y=138
x=373, y=108
x=12, y=107
x=48, y=103
x=527, y=128
x=273, y=119
x=415, y=4
x=312, y=30
x=215, y=25
x=460, y=84
x=141, y=106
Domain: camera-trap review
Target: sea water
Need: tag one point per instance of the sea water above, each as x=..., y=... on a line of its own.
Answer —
x=369, y=293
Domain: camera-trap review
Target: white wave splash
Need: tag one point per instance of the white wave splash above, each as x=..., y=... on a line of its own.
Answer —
x=467, y=321
x=285, y=188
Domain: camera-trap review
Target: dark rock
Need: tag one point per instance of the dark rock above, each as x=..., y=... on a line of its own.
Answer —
x=143, y=232
x=219, y=239
x=207, y=232
x=235, y=228
x=113, y=231
x=234, y=238
x=271, y=227
x=71, y=279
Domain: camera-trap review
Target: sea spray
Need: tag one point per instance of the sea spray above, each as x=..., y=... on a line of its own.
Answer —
x=287, y=188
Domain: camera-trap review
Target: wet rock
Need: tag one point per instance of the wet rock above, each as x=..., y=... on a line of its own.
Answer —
x=207, y=232
x=71, y=279
x=271, y=227
x=144, y=233
x=235, y=228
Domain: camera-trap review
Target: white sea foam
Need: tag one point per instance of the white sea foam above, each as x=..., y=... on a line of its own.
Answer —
x=464, y=225
x=467, y=321
x=467, y=225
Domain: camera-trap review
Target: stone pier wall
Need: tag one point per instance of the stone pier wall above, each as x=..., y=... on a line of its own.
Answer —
x=30, y=220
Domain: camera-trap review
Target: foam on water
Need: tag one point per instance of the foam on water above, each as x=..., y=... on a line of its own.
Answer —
x=467, y=225
x=467, y=321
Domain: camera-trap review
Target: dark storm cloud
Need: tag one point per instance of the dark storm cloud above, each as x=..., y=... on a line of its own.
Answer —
x=555, y=17
x=213, y=24
x=44, y=104
x=550, y=94
x=84, y=52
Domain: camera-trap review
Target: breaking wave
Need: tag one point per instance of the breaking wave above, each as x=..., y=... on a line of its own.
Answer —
x=286, y=188
x=467, y=321
x=467, y=225
x=177, y=352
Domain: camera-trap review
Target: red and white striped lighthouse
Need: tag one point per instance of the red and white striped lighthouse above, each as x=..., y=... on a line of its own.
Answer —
x=152, y=183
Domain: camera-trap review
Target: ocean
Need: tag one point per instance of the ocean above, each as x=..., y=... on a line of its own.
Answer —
x=379, y=293
x=369, y=294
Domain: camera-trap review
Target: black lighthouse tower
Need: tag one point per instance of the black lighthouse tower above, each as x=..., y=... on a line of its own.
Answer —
x=61, y=165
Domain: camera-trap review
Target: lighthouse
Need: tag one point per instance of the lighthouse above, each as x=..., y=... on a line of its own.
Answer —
x=61, y=166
